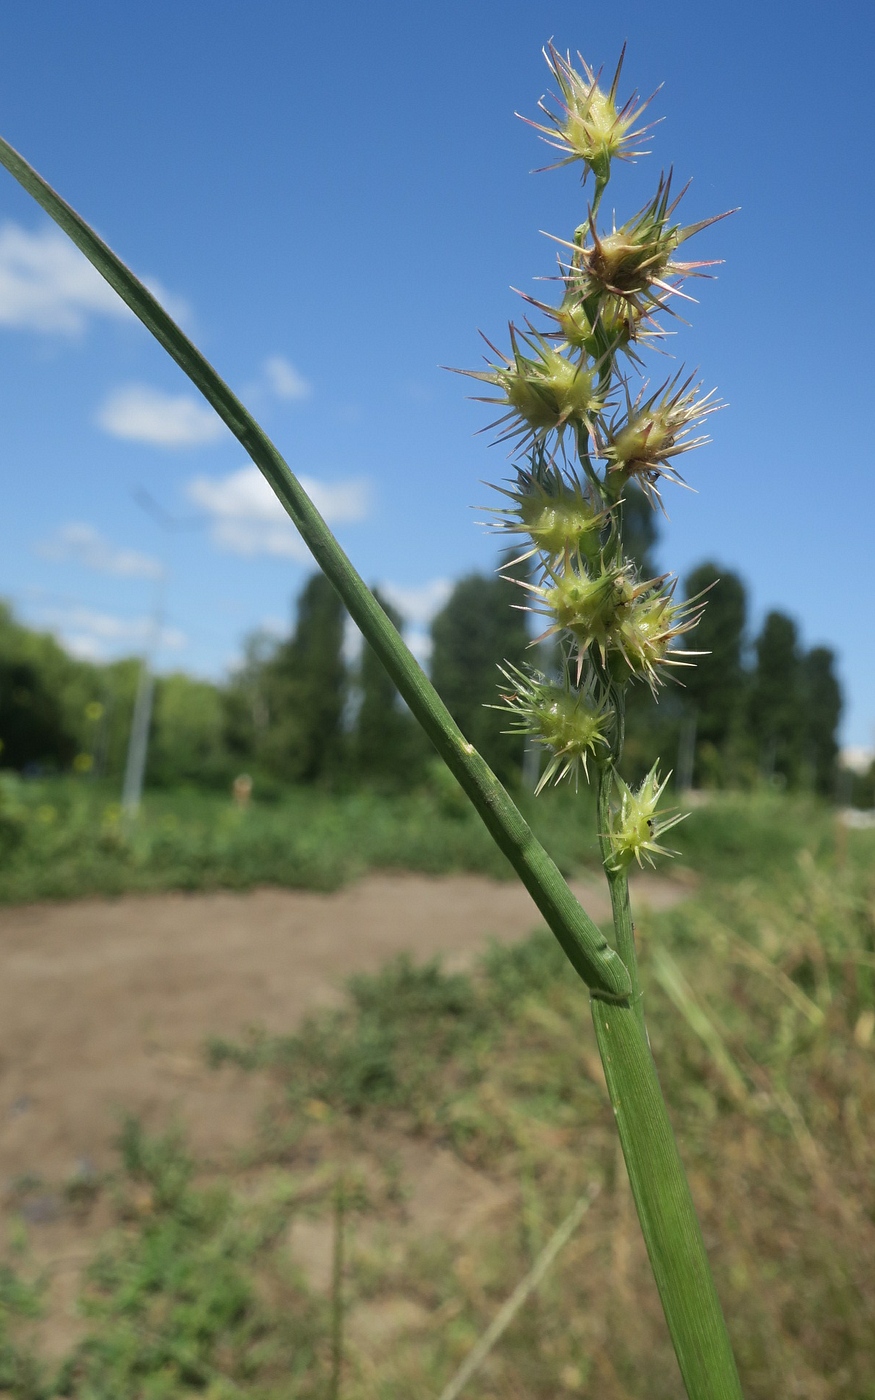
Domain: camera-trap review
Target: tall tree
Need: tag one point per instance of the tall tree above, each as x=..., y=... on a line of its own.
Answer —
x=305, y=690
x=651, y=721
x=716, y=684
x=388, y=746
x=822, y=711
x=44, y=698
x=32, y=728
x=245, y=700
x=640, y=529
x=776, y=698
x=476, y=632
x=188, y=739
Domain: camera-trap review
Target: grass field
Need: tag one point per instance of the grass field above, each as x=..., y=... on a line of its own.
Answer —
x=487, y=1087
x=67, y=838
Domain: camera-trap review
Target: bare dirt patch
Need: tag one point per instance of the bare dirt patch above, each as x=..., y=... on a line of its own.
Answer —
x=105, y=1005
x=105, y=1008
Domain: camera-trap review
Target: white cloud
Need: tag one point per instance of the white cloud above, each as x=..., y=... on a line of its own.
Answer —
x=857, y=759
x=353, y=641
x=284, y=380
x=141, y=414
x=419, y=641
x=418, y=603
x=94, y=635
x=78, y=543
x=248, y=519
x=46, y=284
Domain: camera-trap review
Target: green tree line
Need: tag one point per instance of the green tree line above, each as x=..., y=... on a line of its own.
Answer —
x=298, y=711
x=766, y=708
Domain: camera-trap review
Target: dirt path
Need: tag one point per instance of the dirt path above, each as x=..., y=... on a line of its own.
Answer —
x=105, y=1005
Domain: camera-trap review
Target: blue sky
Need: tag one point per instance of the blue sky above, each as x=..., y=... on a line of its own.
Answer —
x=334, y=202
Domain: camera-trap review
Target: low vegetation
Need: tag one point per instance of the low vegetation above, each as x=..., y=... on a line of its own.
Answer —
x=65, y=838
x=208, y=1283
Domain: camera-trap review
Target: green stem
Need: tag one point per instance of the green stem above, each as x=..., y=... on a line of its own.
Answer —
x=624, y=930
x=601, y=184
x=665, y=1207
x=337, y=1292
x=618, y=887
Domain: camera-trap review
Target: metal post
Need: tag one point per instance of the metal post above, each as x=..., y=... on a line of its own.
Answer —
x=138, y=744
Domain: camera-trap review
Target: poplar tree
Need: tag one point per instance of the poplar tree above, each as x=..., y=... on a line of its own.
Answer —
x=717, y=685
x=776, y=698
x=305, y=688
x=475, y=633
x=822, y=711
x=388, y=747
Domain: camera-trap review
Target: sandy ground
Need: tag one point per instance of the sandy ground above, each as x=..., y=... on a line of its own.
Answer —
x=105, y=1005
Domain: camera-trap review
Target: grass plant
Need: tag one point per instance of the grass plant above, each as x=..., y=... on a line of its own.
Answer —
x=198, y=1287
x=565, y=406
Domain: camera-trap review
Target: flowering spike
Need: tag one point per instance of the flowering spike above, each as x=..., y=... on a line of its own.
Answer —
x=580, y=434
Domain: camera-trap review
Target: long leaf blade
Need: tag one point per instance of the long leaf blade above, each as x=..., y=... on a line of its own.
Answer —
x=584, y=943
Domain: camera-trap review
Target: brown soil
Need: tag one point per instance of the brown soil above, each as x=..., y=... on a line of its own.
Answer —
x=105, y=1005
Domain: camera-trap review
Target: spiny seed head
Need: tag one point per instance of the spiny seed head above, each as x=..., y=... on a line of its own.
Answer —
x=641, y=637
x=587, y=604
x=643, y=442
x=572, y=724
x=554, y=510
x=597, y=324
x=588, y=126
x=549, y=391
x=546, y=391
x=635, y=828
x=574, y=325
x=562, y=524
x=635, y=261
x=589, y=321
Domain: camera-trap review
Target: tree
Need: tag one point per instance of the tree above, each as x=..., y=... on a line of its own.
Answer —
x=475, y=633
x=640, y=529
x=776, y=698
x=388, y=746
x=651, y=722
x=32, y=729
x=43, y=697
x=188, y=741
x=305, y=690
x=716, y=684
x=244, y=700
x=822, y=711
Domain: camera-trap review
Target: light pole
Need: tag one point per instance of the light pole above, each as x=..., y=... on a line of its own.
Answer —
x=138, y=741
